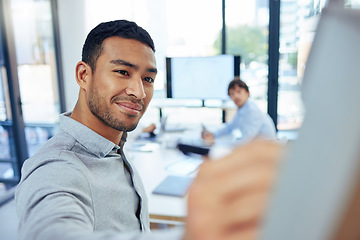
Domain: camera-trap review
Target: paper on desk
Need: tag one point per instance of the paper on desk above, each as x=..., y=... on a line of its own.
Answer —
x=143, y=146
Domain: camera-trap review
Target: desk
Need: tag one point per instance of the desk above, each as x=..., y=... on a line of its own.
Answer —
x=152, y=169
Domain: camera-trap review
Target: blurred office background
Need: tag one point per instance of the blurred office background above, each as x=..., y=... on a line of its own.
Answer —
x=41, y=43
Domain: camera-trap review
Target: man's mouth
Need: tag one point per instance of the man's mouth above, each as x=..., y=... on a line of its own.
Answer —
x=130, y=107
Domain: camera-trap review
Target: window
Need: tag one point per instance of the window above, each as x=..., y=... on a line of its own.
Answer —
x=29, y=84
x=37, y=69
x=298, y=22
x=247, y=24
x=290, y=109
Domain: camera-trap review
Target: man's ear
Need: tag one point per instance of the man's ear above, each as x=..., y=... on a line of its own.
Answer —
x=83, y=74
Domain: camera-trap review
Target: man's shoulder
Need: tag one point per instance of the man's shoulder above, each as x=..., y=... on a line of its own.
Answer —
x=58, y=149
x=54, y=168
x=55, y=145
x=249, y=108
x=254, y=108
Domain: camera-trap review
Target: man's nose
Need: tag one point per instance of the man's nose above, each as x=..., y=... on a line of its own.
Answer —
x=136, y=88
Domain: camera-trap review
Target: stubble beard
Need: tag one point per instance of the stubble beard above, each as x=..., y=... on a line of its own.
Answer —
x=102, y=112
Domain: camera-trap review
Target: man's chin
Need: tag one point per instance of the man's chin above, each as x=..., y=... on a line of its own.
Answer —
x=134, y=123
x=126, y=122
x=127, y=125
x=131, y=128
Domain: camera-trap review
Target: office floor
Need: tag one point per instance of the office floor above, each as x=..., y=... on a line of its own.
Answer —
x=9, y=221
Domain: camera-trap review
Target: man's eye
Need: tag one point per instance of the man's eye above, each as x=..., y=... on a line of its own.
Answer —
x=123, y=72
x=149, y=79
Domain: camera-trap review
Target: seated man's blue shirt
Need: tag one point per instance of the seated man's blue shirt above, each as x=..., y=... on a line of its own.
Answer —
x=252, y=123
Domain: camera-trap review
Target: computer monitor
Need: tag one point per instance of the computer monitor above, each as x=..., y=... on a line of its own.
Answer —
x=201, y=77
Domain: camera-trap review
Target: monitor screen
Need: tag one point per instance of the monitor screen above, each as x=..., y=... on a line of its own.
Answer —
x=201, y=77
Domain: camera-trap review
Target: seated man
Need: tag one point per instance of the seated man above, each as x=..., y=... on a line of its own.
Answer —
x=249, y=119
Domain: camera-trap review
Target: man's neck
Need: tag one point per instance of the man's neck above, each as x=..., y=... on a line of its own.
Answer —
x=243, y=104
x=96, y=125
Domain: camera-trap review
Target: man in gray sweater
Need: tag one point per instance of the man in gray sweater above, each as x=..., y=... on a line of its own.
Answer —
x=80, y=185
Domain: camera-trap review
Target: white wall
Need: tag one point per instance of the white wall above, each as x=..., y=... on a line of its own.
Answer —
x=72, y=36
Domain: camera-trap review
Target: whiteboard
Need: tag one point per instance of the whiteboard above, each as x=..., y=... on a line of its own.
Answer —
x=201, y=77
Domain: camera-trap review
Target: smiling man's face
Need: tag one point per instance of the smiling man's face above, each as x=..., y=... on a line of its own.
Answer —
x=122, y=83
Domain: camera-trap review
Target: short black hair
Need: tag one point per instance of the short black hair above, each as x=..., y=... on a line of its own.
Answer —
x=237, y=82
x=121, y=28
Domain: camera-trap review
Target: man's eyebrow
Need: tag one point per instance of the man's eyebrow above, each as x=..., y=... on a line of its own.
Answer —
x=123, y=62
x=152, y=70
x=128, y=64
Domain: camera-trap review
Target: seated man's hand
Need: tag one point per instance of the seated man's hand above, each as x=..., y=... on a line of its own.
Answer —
x=228, y=197
x=150, y=128
x=208, y=137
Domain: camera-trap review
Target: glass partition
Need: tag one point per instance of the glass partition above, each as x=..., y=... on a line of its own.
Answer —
x=37, y=71
x=7, y=147
x=29, y=91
